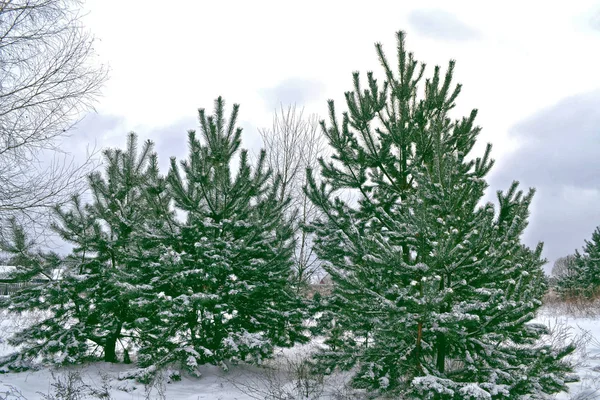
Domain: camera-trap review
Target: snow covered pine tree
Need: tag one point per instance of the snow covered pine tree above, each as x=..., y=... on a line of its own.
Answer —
x=32, y=265
x=583, y=279
x=222, y=291
x=432, y=292
x=88, y=308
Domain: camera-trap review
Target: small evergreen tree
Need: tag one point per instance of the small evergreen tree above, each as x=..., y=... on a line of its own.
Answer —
x=220, y=291
x=88, y=305
x=32, y=265
x=433, y=292
x=58, y=338
x=582, y=276
x=24, y=252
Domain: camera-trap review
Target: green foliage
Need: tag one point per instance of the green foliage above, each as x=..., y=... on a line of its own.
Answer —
x=221, y=285
x=26, y=254
x=433, y=295
x=212, y=288
x=87, y=303
x=581, y=278
x=433, y=291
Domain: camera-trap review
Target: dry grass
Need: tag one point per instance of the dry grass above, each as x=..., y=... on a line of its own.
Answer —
x=291, y=376
x=573, y=306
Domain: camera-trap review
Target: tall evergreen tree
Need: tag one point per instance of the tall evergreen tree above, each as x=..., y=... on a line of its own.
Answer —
x=88, y=305
x=433, y=292
x=582, y=280
x=221, y=289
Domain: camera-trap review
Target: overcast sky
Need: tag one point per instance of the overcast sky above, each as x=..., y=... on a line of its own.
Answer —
x=530, y=67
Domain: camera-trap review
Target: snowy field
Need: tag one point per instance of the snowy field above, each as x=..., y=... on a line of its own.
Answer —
x=585, y=331
x=286, y=377
x=102, y=381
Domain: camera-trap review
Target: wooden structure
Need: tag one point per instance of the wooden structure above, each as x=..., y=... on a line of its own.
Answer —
x=9, y=286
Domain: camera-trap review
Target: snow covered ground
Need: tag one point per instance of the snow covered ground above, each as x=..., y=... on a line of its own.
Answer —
x=240, y=383
x=278, y=382
x=585, y=330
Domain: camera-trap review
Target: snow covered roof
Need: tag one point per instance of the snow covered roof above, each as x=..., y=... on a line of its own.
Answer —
x=5, y=270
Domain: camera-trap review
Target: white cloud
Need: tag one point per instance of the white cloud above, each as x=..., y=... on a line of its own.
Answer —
x=442, y=25
x=169, y=58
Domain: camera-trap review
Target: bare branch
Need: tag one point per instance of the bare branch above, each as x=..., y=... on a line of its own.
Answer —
x=48, y=80
x=295, y=143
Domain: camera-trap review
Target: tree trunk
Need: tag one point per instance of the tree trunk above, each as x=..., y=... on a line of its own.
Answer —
x=441, y=337
x=441, y=352
x=110, y=348
x=418, y=346
x=110, y=354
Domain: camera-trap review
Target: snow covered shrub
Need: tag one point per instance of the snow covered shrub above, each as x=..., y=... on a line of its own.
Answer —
x=433, y=291
x=10, y=392
x=288, y=377
x=71, y=386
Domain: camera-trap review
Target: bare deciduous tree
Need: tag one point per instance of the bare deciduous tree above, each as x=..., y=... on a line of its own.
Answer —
x=48, y=79
x=563, y=266
x=293, y=143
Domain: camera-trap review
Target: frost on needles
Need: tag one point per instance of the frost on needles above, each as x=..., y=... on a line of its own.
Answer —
x=433, y=291
x=581, y=278
x=86, y=306
x=170, y=272
x=221, y=289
